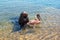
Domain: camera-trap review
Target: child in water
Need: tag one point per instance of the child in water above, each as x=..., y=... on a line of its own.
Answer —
x=35, y=21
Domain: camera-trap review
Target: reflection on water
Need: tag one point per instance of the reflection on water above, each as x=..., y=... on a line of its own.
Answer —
x=16, y=26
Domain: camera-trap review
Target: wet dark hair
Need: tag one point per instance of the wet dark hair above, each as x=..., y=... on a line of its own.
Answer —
x=38, y=16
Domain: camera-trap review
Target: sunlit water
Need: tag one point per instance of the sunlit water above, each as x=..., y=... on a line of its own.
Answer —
x=11, y=9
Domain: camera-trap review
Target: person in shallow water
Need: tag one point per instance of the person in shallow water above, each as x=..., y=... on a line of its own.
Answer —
x=23, y=19
x=35, y=21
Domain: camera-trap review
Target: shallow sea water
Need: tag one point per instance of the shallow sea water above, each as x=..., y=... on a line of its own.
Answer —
x=10, y=11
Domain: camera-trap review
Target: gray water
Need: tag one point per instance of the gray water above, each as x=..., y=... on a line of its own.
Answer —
x=11, y=9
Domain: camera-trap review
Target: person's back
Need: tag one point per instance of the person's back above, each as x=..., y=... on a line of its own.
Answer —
x=35, y=21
